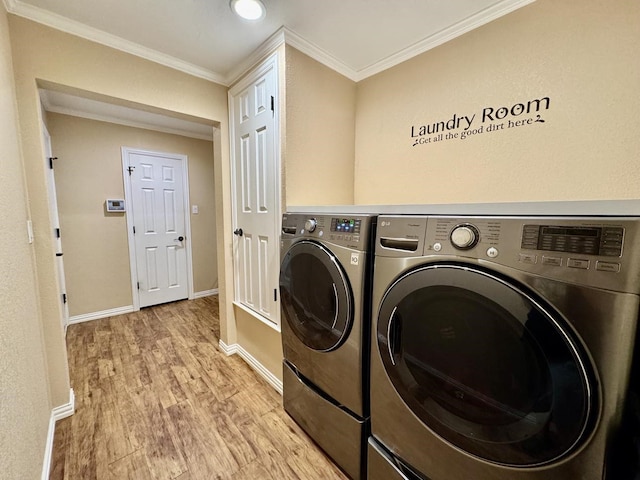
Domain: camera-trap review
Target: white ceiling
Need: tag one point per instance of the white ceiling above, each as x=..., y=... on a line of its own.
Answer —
x=357, y=38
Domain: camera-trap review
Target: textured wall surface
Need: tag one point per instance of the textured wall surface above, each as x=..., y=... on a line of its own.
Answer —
x=25, y=406
x=88, y=171
x=57, y=60
x=320, y=122
x=584, y=60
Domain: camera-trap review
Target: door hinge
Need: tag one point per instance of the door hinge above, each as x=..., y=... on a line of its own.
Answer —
x=130, y=170
x=134, y=230
x=273, y=103
x=64, y=298
x=275, y=294
x=57, y=233
x=51, y=159
x=138, y=285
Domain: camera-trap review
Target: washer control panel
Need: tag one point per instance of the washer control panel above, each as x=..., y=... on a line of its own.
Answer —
x=350, y=231
x=593, y=240
x=597, y=251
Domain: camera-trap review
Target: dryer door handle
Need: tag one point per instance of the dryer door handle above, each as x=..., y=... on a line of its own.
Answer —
x=394, y=330
x=407, y=244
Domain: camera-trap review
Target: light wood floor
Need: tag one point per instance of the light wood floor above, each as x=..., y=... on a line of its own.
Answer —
x=156, y=399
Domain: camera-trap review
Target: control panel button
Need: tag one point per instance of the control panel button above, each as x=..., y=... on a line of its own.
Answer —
x=578, y=263
x=437, y=246
x=464, y=237
x=310, y=224
x=554, y=261
x=528, y=258
x=608, y=267
x=492, y=252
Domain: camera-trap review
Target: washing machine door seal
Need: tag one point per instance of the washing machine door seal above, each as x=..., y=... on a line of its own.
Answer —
x=315, y=295
x=486, y=366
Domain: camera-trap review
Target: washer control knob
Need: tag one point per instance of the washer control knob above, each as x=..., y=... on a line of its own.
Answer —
x=464, y=237
x=310, y=224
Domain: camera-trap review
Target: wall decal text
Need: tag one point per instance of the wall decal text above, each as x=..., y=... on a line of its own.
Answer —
x=490, y=119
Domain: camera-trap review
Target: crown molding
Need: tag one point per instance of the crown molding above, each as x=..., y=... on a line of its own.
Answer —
x=283, y=36
x=485, y=16
x=259, y=54
x=9, y=5
x=95, y=110
x=287, y=36
x=128, y=123
x=319, y=54
x=59, y=22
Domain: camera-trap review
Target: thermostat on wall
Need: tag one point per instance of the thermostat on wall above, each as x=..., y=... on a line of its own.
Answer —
x=115, y=205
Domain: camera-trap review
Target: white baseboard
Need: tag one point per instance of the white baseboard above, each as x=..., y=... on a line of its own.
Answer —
x=228, y=350
x=85, y=317
x=58, y=413
x=260, y=369
x=205, y=293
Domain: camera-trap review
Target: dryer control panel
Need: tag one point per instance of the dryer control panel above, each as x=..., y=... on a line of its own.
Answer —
x=602, y=252
x=351, y=231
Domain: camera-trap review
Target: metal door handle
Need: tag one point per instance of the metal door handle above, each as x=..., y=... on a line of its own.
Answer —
x=393, y=334
x=238, y=232
x=179, y=239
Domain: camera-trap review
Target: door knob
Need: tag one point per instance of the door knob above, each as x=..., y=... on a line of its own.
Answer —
x=179, y=239
x=238, y=232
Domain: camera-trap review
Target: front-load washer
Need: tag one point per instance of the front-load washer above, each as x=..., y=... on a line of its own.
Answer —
x=501, y=346
x=325, y=284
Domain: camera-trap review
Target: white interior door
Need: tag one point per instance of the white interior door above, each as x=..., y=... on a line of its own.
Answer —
x=55, y=222
x=256, y=206
x=158, y=202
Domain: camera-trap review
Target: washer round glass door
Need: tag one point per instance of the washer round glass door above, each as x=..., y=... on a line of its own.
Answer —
x=485, y=366
x=315, y=296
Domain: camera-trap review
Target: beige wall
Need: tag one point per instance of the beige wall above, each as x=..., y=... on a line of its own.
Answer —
x=584, y=59
x=53, y=58
x=318, y=145
x=89, y=170
x=261, y=341
x=317, y=150
x=25, y=403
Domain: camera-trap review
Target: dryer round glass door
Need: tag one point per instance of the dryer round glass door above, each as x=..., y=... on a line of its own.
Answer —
x=486, y=366
x=315, y=296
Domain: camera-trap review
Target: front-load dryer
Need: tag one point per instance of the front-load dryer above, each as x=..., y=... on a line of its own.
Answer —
x=501, y=346
x=325, y=283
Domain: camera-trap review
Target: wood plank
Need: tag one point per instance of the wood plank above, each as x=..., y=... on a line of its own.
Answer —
x=157, y=400
x=206, y=452
x=131, y=467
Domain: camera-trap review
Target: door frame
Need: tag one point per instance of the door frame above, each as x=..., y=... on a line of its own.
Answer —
x=128, y=195
x=54, y=212
x=272, y=62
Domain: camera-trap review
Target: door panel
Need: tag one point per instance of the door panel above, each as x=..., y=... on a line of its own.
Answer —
x=316, y=296
x=55, y=223
x=486, y=366
x=158, y=209
x=256, y=194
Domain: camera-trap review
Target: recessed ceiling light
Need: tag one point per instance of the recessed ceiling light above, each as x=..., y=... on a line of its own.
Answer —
x=249, y=9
